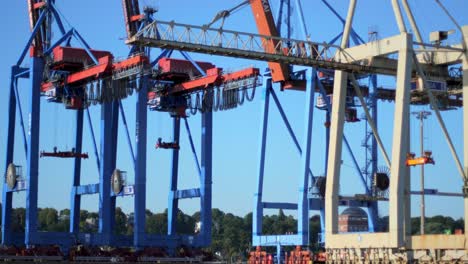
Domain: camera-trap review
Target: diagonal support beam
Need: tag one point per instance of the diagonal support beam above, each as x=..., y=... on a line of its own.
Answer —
x=20, y=113
x=31, y=38
x=192, y=146
x=93, y=139
x=440, y=120
x=127, y=133
x=288, y=126
x=370, y=120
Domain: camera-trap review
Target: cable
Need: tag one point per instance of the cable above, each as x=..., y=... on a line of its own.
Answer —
x=223, y=14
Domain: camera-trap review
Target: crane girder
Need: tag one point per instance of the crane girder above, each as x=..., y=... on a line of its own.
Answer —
x=34, y=7
x=266, y=26
x=132, y=16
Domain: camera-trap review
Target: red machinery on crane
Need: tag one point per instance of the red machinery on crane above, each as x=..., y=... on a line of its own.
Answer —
x=64, y=154
x=178, y=79
x=70, y=75
x=412, y=160
x=70, y=72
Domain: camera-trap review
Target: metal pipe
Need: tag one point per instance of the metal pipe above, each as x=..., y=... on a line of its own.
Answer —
x=257, y=216
x=398, y=16
x=421, y=115
x=421, y=132
x=370, y=119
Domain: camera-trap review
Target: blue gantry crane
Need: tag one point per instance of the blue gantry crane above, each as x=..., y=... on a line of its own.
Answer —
x=79, y=77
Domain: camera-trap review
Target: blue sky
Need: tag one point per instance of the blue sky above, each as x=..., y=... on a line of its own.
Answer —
x=235, y=141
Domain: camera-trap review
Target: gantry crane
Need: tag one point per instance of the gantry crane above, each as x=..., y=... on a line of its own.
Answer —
x=181, y=87
x=346, y=61
x=78, y=77
x=98, y=78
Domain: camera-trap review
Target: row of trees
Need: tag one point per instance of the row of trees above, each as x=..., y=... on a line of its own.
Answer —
x=231, y=235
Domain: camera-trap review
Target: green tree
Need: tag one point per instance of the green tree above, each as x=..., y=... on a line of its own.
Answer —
x=47, y=219
x=18, y=217
x=120, y=222
x=315, y=230
x=157, y=223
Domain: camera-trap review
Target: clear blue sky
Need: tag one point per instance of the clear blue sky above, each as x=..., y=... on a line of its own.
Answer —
x=236, y=131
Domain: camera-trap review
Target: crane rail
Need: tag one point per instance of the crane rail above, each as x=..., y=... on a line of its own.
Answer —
x=230, y=43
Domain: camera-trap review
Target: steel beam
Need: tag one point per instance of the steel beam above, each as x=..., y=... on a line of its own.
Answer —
x=76, y=199
x=140, y=164
x=206, y=177
x=105, y=203
x=173, y=205
x=398, y=16
x=192, y=147
x=20, y=114
x=398, y=169
x=37, y=69
x=369, y=118
x=86, y=189
x=187, y=194
x=303, y=205
x=93, y=138
x=127, y=133
x=465, y=131
x=336, y=137
x=288, y=126
x=258, y=206
x=373, y=210
x=7, y=197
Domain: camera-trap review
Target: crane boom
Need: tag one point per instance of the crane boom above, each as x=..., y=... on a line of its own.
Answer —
x=132, y=16
x=266, y=26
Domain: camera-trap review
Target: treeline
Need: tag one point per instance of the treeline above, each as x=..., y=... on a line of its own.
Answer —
x=231, y=235
x=432, y=225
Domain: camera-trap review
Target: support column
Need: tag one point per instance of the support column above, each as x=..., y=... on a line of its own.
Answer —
x=335, y=152
x=105, y=202
x=140, y=165
x=374, y=206
x=173, y=206
x=257, y=215
x=206, y=177
x=465, y=131
x=407, y=189
x=76, y=199
x=400, y=132
x=7, y=197
x=303, y=203
x=336, y=136
x=37, y=69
